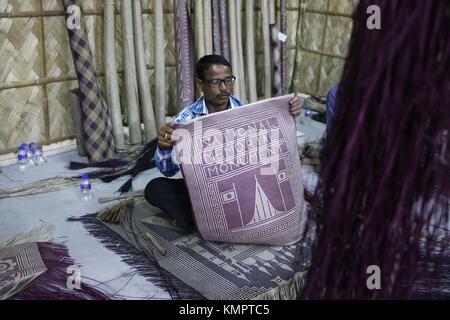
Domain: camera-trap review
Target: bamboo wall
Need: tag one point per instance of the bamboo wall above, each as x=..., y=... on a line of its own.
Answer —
x=36, y=68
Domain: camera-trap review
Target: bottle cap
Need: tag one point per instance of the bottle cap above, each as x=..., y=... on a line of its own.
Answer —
x=85, y=176
x=23, y=146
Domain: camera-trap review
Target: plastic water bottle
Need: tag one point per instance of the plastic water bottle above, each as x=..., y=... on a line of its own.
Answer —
x=86, y=188
x=308, y=116
x=38, y=155
x=30, y=156
x=22, y=157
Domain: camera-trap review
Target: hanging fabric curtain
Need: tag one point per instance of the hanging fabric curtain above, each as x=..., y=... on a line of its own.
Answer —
x=241, y=68
x=96, y=121
x=199, y=28
x=160, y=63
x=112, y=83
x=217, y=40
x=224, y=33
x=185, y=56
x=207, y=21
x=148, y=116
x=129, y=65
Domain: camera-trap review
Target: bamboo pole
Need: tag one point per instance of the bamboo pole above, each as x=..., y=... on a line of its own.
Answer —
x=208, y=26
x=217, y=42
x=199, y=29
x=160, y=62
x=234, y=47
x=129, y=63
x=272, y=15
x=241, y=67
x=43, y=72
x=148, y=116
x=112, y=84
x=250, y=52
x=266, y=46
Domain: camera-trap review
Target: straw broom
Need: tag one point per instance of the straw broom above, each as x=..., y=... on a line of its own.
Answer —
x=129, y=64
x=112, y=85
x=234, y=47
x=266, y=46
x=250, y=52
x=148, y=116
x=160, y=62
x=241, y=68
x=208, y=26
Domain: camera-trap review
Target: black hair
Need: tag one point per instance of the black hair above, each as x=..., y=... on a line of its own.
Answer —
x=204, y=63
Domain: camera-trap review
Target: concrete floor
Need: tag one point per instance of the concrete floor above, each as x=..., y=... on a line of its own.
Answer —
x=98, y=264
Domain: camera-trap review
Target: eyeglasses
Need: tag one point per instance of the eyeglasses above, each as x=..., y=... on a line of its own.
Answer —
x=217, y=82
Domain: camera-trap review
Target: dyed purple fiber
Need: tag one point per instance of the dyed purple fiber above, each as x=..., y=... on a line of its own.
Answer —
x=52, y=284
x=384, y=193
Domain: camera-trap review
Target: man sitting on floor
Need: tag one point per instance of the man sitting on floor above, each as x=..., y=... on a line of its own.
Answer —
x=215, y=78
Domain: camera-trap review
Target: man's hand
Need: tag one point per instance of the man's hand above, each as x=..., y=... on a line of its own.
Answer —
x=165, y=137
x=294, y=106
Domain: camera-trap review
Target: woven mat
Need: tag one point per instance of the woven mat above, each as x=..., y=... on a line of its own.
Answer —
x=215, y=270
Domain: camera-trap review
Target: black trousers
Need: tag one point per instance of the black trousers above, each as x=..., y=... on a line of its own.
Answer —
x=171, y=196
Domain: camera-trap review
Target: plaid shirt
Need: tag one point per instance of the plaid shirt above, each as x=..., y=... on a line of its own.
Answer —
x=163, y=158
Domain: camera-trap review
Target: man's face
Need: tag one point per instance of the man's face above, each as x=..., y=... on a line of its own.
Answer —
x=216, y=94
